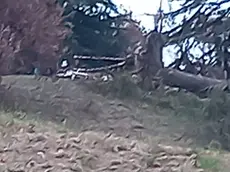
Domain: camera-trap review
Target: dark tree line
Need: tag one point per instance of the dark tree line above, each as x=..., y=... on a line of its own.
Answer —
x=94, y=28
x=37, y=34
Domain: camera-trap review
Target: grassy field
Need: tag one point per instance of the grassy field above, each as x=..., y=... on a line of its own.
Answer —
x=95, y=110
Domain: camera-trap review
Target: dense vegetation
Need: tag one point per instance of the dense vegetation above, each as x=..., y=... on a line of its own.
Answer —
x=37, y=34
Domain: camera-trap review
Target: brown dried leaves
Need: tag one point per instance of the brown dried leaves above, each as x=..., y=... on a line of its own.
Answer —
x=88, y=151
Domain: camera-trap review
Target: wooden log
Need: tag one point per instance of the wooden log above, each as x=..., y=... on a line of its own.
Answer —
x=190, y=82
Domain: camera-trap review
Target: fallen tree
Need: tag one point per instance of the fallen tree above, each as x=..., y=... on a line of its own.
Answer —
x=207, y=30
x=190, y=82
x=149, y=65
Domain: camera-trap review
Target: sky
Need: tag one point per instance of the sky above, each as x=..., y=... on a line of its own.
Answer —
x=139, y=8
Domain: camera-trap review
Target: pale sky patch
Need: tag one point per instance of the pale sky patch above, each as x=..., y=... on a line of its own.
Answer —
x=140, y=8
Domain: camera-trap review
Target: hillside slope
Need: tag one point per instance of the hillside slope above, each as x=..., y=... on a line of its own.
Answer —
x=29, y=147
x=79, y=108
x=94, y=133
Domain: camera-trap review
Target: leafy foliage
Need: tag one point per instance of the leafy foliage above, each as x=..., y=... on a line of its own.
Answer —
x=31, y=35
x=95, y=27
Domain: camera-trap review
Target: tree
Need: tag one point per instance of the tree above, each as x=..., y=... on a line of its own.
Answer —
x=37, y=34
x=204, y=27
x=31, y=35
x=95, y=28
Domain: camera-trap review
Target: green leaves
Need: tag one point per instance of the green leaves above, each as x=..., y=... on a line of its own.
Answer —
x=91, y=22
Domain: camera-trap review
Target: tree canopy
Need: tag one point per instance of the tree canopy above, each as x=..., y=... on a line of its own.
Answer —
x=94, y=28
x=31, y=34
x=37, y=34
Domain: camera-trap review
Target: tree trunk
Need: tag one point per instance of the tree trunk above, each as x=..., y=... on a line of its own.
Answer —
x=151, y=61
x=190, y=82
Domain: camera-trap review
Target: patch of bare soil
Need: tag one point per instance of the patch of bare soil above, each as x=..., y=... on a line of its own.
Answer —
x=28, y=148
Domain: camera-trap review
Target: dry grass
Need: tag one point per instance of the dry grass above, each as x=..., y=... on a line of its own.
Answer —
x=207, y=118
x=40, y=146
x=211, y=115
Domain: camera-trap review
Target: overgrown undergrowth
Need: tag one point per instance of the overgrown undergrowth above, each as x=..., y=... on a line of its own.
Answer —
x=215, y=107
x=211, y=114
